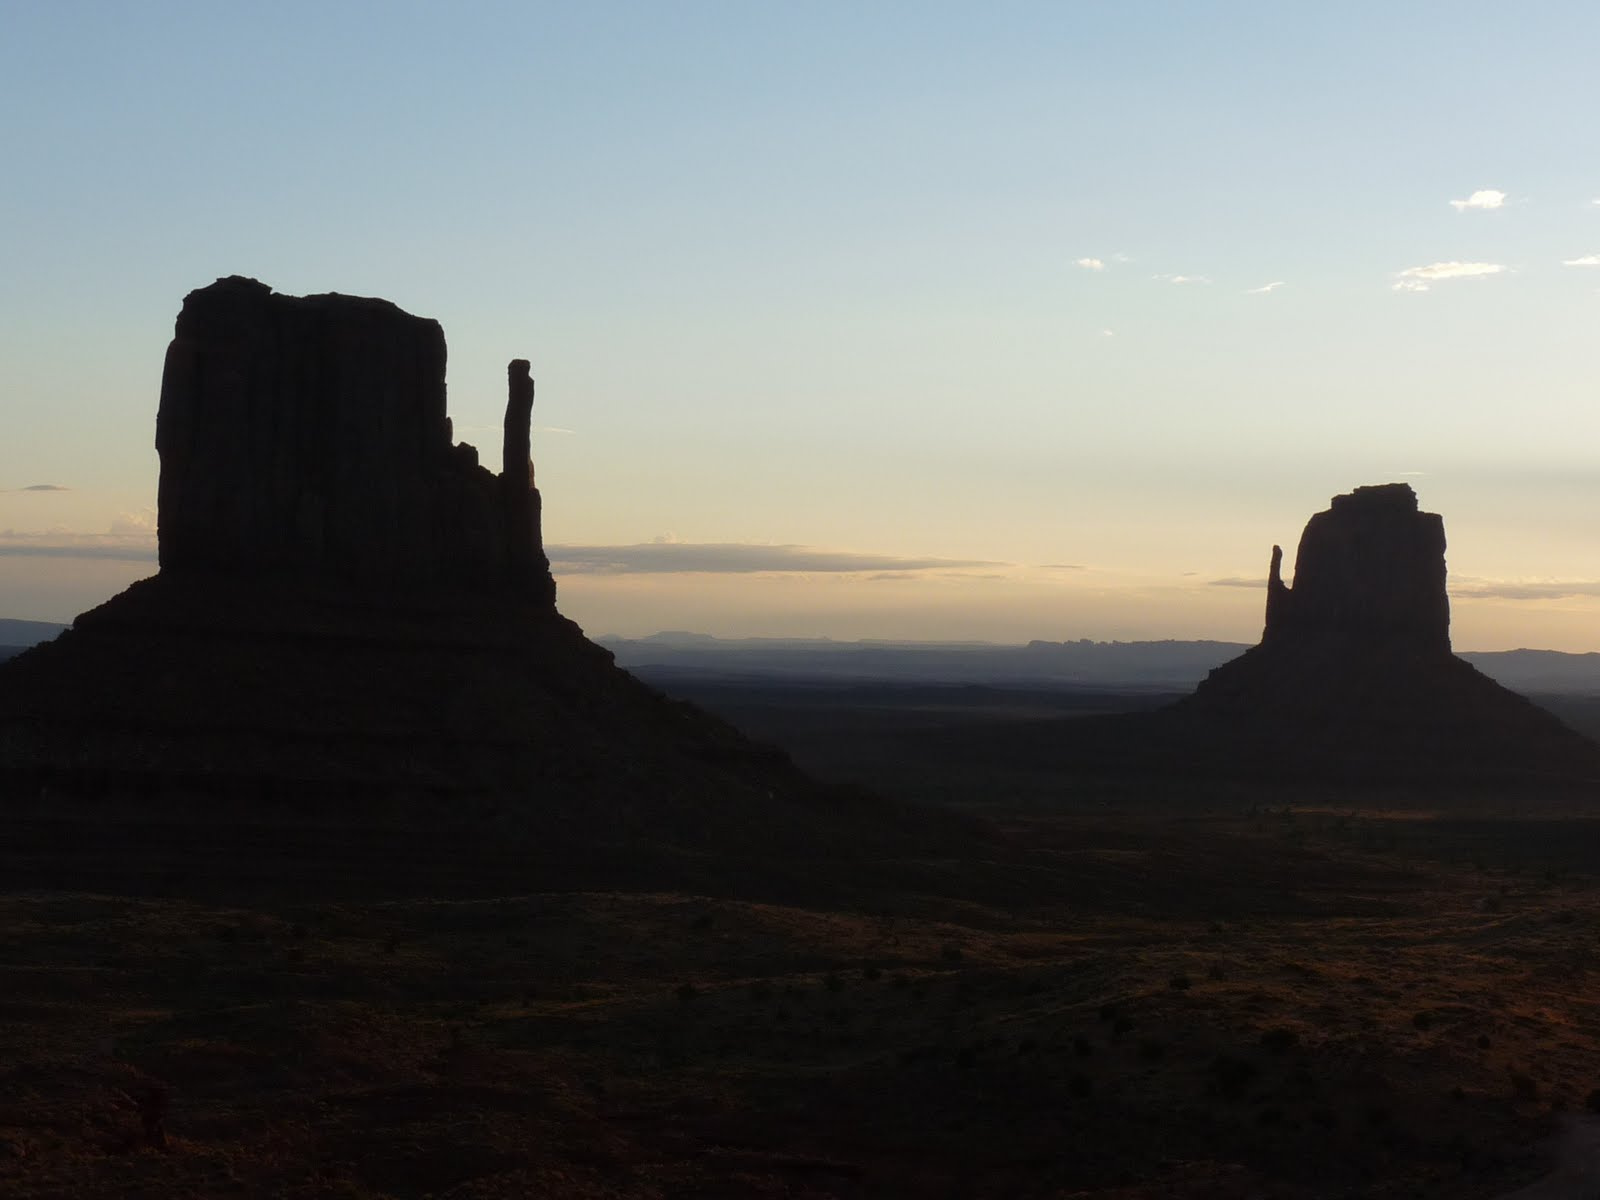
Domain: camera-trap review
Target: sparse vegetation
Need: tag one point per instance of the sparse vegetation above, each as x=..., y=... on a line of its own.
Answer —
x=620, y=1003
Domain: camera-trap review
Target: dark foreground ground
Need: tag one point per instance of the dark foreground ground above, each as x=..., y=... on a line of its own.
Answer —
x=1128, y=990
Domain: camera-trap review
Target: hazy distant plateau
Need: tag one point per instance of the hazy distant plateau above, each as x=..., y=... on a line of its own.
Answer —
x=1162, y=666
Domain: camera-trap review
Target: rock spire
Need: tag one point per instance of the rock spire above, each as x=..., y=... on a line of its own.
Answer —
x=306, y=437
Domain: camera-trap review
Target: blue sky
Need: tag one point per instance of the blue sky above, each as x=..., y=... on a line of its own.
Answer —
x=971, y=293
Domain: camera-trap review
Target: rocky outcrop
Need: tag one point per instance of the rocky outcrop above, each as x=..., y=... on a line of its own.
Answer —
x=527, y=568
x=1371, y=567
x=306, y=437
x=1354, y=675
x=1353, y=681
x=354, y=627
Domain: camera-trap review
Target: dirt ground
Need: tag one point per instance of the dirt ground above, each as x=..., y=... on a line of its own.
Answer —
x=1249, y=1001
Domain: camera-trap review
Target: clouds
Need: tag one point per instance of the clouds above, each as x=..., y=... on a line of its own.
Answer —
x=1588, y=260
x=1420, y=279
x=39, y=487
x=737, y=558
x=123, y=547
x=1484, y=199
x=1182, y=278
x=1523, y=589
x=1467, y=588
x=1264, y=288
x=1091, y=264
x=133, y=540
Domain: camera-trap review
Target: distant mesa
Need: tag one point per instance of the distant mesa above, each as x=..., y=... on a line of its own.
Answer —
x=354, y=616
x=1370, y=568
x=1354, y=674
x=1353, y=681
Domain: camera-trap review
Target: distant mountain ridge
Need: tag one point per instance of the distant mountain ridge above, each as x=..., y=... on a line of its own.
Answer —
x=1169, y=665
x=28, y=633
x=1166, y=665
x=17, y=636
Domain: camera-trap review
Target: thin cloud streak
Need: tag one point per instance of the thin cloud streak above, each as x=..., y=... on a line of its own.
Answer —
x=1479, y=589
x=1519, y=589
x=1419, y=279
x=1091, y=264
x=737, y=558
x=1264, y=288
x=1588, y=260
x=121, y=547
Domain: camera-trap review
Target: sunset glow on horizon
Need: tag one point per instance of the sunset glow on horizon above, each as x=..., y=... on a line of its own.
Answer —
x=916, y=322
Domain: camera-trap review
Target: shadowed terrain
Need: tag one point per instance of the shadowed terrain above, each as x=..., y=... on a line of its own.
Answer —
x=340, y=866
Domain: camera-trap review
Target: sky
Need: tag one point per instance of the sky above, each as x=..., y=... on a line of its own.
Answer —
x=909, y=320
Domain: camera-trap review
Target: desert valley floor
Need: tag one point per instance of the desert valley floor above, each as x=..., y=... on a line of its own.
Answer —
x=1111, y=991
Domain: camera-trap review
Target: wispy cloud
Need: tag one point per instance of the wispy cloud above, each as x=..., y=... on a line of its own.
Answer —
x=1182, y=278
x=1062, y=567
x=1091, y=264
x=1264, y=288
x=1237, y=581
x=737, y=558
x=1523, y=589
x=39, y=487
x=1419, y=279
x=1108, y=333
x=1588, y=260
x=1485, y=198
x=126, y=547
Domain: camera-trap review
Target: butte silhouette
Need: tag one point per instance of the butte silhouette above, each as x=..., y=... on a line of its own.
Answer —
x=1354, y=681
x=355, y=620
x=1354, y=675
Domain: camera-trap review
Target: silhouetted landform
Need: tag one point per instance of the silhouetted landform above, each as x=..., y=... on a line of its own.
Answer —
x=1353, y=679
x=1165, y=666
x=678, y=660
x=1354, y=673
x=681, y=661
x=306, y=437
x=1545, y=672
x=22, y=634
x=1369, y=573
x=355, y=621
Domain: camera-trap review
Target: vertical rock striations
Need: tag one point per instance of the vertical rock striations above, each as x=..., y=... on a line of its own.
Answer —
x=306, y=438
x=354, y=622
x=1371, y=567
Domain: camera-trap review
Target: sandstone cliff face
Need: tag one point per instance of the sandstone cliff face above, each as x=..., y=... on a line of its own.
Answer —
x=1370, y=567
x=354, y=625
x=306, y=437
x=1354, y=676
